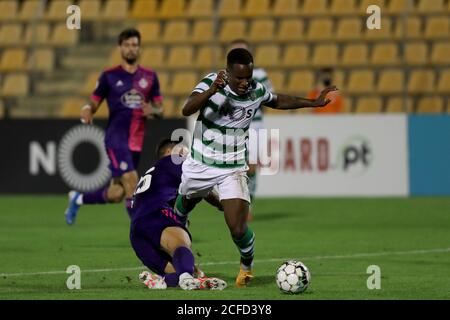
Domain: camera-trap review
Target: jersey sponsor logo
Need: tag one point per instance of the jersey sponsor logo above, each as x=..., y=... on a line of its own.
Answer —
x=119, y=83
x=132, y=99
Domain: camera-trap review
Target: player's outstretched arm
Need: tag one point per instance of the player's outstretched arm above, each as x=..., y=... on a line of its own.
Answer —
x=196, y=100
x=88, y=111
x=286, y=102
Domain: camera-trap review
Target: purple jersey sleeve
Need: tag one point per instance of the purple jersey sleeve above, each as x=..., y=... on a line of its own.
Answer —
x=155, y=92
x=101, y=90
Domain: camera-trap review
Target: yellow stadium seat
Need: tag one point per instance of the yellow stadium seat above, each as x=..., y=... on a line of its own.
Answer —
x=276, y=77
x=412, y=29
x=399, y=105
x=256, y=8
x=63, y=37
x=153, y=57
x=11, y=34
x=207, y=58
x=430, y=6
x=391, y=81
x=42, y=59
x=299, y=82
x=444, y=82
x=366, y=3
x=320, y=29
x=361, y=81
x=200, y=9
x=183, y=83
x=385, y=54
x=380, y=34
x=343, y=7
x=13, y=60
x=32, y=9
x=90, y=9
x=430, y=105
x=230, y=8
x=416, y=53
x=115, y=10
x=325, y=55
x=313, y=8
x=180, y=57
x=398, y=7
x=355, y=55
x=448, y=105
x=163, y=79
x=369, y=105
x=203, y=31
x=338, y=80
x=172, y=9
x=290, y=30
x=143, y=9
x=150, y=32
x=285, y=8
x=232, y=29
x=89, y=85
x=295, y=55
x=437, y=28
x=440, y=53
x=57, y=10
x=349, y=29
x=267, y=56
x=115, y=58
x=15, y=85
x=71, y=108
x=37, y=34
x=421, y=81
x=176, y=31
x=171, y=110
x=261, y=30
x=8, y=10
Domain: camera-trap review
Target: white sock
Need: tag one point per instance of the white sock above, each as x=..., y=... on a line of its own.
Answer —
x=79, y=200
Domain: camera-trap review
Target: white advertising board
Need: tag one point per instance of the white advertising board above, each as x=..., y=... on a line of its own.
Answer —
x=338, y=155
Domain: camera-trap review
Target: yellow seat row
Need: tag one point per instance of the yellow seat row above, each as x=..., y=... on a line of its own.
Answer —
x=17, y=59
x=37, y=34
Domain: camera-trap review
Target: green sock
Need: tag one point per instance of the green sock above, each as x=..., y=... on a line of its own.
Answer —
x=178, y=208
x=246, y=244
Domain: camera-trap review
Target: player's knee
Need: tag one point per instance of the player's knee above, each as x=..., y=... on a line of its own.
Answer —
x=238, y=231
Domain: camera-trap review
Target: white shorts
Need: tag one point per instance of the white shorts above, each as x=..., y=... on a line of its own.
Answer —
x=199, y=179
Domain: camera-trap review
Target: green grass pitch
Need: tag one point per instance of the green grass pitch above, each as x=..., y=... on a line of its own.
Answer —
x=409, y=239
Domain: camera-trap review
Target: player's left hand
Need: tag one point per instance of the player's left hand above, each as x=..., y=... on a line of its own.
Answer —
x=322, y=101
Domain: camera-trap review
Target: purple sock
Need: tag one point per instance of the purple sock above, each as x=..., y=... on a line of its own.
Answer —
x=128, y=205
x=96, y=197
x=183, y=261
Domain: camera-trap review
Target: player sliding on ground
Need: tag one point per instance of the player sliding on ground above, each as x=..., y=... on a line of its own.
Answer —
x=159, y=239
x=227, y=102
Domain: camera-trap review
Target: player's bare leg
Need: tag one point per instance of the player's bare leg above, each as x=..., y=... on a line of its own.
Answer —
x=176, y=242
x=115, y=192
x=129, y=181
x=235, y=212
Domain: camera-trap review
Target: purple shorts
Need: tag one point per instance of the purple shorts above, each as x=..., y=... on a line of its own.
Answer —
x=122, y=161
x=145, y=237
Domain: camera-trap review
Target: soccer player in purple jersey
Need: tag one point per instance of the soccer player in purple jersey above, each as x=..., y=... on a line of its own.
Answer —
x=133, y=95
x=159, y=239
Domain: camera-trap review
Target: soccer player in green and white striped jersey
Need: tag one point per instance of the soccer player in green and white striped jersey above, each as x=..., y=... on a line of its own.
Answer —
x=259, y=75
x=227, y=102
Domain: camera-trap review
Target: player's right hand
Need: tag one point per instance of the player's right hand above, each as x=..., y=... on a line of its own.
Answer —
x=220, y=82
x=86, y=115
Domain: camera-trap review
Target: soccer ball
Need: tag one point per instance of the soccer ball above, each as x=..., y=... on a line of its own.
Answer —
x=293, y=277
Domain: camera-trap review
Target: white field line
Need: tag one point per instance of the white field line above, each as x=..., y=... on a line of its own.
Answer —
x=348, y=256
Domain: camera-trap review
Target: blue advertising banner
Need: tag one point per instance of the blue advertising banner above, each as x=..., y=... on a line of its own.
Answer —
x=429, y=155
